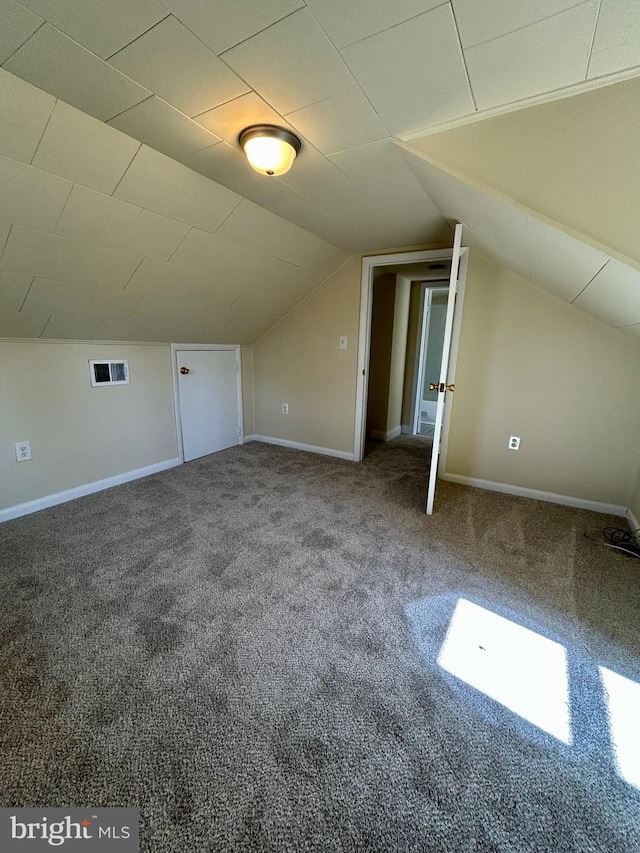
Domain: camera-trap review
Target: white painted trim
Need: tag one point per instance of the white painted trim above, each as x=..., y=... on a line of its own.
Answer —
x=537, y=495
x=86, y=489
x=524, y=103
x=379, y=435
x=176, y=390
x=296, y=445
x=632, y=521
x=369, y=262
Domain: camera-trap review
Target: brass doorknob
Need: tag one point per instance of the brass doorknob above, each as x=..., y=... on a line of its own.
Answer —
x=450, y=387
x=184, y=371
x=435, y=386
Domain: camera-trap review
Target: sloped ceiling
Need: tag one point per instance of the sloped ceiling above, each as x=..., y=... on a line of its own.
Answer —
x=176, y=238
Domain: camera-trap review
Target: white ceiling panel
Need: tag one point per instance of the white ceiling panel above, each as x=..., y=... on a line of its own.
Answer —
x=14, y=325
x=247, y=327
x=292, y=64
x=480, y=22
x=233, y=266
x=118, y=330
x=171, y=62
x=109, y=304
x=613, y=295
x=13, y=290
x=156, y=306
x=272, y=298
x=70, y=328
x=371, y=162
x=102, y=27
x=221, y=24
x=83, y=149
x=559, y=262
x=342, y=121
x=311, y=168
x=31, y=197
x=105, y=220
x=617, y=41
x=57, y=258
x=54, y=62
x=160, y=184
x=161, y=279
x=540, y=58
x=160, y=330
x=56, y=297
x=355, y=20
x=25, y=111
x=164, y=128
x=413, y=73
x=272, y=235
x=18, y=23
x=228, y=120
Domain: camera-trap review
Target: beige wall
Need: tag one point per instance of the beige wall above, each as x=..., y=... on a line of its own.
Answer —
x=299, y=362
x=398, y=352
x=80, y=434
x=413, y=328
x=531, y=365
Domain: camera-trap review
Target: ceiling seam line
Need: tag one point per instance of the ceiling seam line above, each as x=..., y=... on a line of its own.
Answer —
x=191, y=227
x=532, y=24
x=13, y=53
x=464, y=58
x=134, y=40
x=26, y=294
x=399, y=24
x=137, y=104
x=263, y=30
x=64, y=206
x=593, y=40
x=128, y=282
x=4, y=245
x=137, y=151
x=589, y=282
x=44, y=130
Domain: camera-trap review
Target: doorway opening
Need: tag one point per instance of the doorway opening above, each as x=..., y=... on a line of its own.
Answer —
x=398, y=295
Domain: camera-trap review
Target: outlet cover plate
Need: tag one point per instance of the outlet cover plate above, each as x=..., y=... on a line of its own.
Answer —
x=514, y=442
x=23, y=451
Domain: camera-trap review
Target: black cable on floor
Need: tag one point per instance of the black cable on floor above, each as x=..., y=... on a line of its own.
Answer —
x=622, y=539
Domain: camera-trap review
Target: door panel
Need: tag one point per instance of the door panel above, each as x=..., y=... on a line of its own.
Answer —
x=444, y=368
x=208, y=401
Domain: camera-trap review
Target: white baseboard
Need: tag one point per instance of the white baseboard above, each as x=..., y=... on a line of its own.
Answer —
x=550, y=497
x=296, y=445
x=86, y=489
x=378, y=435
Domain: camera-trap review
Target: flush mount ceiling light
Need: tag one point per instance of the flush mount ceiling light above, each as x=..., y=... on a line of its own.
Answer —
x=270, y=150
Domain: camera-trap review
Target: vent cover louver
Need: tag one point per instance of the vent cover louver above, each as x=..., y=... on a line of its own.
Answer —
x=114, y=372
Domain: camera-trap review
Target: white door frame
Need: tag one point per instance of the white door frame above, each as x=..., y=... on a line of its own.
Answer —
x=176, y=391
x=364, y=337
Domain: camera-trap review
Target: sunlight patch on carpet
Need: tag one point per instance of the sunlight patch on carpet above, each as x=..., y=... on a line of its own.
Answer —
x=623, y=701
x=522, y=670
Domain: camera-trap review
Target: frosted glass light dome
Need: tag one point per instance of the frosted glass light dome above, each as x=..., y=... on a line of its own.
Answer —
x=270, y=150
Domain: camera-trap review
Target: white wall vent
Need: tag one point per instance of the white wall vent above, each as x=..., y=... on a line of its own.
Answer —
x=115, y=372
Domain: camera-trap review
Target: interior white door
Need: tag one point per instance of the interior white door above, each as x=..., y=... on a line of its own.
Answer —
x=444, y=368
x=208, y=391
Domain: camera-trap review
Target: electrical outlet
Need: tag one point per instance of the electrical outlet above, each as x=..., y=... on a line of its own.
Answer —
x=285, y=408
x=514, y=442
x=343, y=342
x=23, y=451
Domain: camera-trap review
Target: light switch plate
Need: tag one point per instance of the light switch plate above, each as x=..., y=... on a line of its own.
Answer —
x=343, y=341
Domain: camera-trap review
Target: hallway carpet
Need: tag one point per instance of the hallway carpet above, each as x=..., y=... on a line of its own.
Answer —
x=247, y=649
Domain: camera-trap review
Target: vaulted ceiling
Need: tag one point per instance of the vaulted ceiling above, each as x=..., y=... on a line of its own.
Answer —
x=176, y=238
